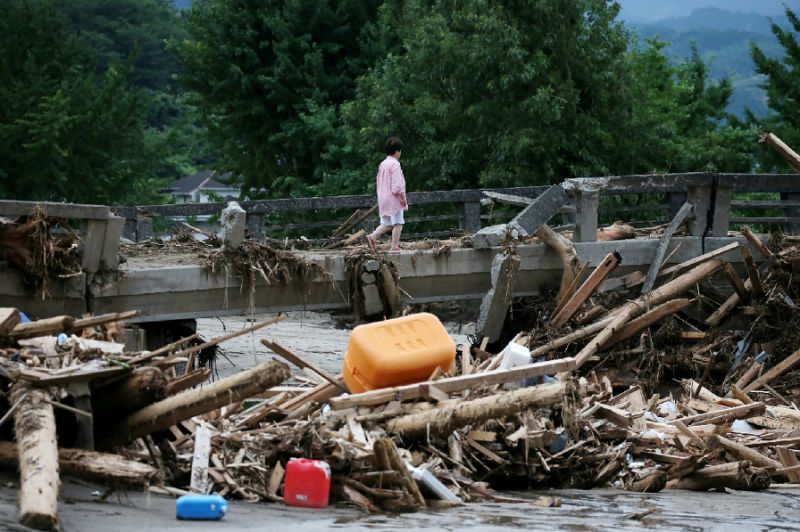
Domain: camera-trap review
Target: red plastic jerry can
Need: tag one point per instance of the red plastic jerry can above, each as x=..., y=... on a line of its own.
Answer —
x=307, y=484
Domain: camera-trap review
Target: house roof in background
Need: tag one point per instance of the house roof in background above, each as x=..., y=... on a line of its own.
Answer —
x=203, y=179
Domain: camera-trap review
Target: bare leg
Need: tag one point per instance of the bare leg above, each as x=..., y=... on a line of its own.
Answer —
x=396, y=230
x=379, y=232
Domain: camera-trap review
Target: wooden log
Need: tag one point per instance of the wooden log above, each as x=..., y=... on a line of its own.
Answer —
x=354, y=219
x=737, y=284
x=9, y=318
x=390, y=289
x=748, y=375
x=453, y=384
x=663, y=243
x=229, y=336
x=162, y=350
x=444, y=420
x=586, y=290
x=733, y=475
x=113, y=317
x=110, y=469
x=718, y=315
x=624, y=313
x=637, y=278
x=190, y=380
x=574, y=336
x=752, y=272
x=646, y=320
x=35, y=432
x=743, y=453
x=782, y=148
x=352, y=239
x=46, y=327
x=756, y=243
x=566, y=251
x=776, y=371
x=170, y=411
x=301, y=363
x=144, y=386
x=625, y=281
x=318, y=394
x=726, y=414
x=789, y=460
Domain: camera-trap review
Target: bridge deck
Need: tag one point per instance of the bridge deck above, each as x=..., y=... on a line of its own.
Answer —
x=176, y=285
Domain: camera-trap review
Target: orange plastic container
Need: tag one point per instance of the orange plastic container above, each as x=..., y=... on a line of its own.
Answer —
x=396, y=352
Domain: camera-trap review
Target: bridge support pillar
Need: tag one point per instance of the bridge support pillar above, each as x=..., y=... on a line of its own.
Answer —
x=495, y=303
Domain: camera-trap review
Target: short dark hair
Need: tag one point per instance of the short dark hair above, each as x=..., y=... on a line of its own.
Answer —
x=393, y=145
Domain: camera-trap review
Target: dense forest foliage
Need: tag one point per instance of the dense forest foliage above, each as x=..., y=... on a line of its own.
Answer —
x=106, y=101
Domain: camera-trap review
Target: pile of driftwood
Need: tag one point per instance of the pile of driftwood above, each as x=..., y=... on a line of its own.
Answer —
x=662, y=389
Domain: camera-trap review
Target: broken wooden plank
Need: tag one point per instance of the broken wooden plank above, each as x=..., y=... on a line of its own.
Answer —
x=9, y=318
x=737, y=284
x=779, y=369
x=725, y=415
x=789, y=155
x=453, y=384
x=789, y=460
x=734, y=475
x=756, y=243
x=646, y=320
x=744, y=453
x=202, y=448
x=624, y=313
x=187, y=381
x=230, y=336
x=300, y=362
x=102, y=319
x=752, y=272
x=586, y=290
x=663, y=244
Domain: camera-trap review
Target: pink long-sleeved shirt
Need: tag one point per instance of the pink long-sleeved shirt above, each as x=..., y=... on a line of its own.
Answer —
x=391, y=187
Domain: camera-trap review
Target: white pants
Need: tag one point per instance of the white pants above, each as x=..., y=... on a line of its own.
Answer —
x=395, y=219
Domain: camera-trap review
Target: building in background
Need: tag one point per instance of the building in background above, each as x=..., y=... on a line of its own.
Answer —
x=202, y=188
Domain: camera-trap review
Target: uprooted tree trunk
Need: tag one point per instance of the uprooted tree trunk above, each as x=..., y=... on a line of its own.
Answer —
x=733, y=475
x=35, y=431
x=445, y=420
x=161, y=415
x=105, y=468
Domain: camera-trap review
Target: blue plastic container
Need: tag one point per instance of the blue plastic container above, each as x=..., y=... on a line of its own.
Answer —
x=201, y=507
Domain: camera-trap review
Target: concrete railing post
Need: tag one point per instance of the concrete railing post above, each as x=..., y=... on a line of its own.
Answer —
x=700, y=197
x=469, y=216
x=586, y=202
x=94, y=236
x=255, y=225
x=144, y=228
x=722, y=211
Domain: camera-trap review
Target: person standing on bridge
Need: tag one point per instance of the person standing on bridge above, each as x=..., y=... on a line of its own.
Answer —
x=391, y=188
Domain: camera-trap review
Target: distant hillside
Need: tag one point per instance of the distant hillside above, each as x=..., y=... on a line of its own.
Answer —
x=653, y=11
x=723, y=39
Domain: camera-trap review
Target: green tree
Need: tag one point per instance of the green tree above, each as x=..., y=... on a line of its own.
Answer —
x=268, y=75
x=676, y=119
x=782, y=85
x=491, y=93
x=67, y=132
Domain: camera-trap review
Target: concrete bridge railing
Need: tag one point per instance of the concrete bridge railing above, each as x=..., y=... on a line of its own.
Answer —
x=712, y=194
